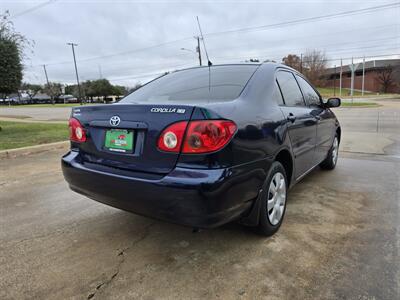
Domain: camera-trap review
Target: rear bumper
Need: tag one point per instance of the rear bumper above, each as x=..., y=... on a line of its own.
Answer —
x=192, y=197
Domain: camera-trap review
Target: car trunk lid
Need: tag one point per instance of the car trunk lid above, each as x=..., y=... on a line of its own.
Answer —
x=111, y=129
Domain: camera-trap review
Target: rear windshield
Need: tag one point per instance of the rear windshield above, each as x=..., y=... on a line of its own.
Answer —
x=226, y=83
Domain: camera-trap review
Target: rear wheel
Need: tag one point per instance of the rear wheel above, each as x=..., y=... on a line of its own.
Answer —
x=273, y=203
x=330, y=161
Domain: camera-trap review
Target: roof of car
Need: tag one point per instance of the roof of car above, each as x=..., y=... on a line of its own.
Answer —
x=270, y=63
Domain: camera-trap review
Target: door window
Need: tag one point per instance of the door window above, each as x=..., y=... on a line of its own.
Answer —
x=290, y=89
x=311, y=96
x=277, y=96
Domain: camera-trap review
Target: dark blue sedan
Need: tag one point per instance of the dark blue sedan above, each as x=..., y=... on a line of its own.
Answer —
x=205, y=146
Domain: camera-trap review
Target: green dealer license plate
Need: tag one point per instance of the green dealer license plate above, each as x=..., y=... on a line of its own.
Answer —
x=119, y=140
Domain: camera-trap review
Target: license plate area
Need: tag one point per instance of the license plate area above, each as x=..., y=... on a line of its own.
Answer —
x=119, y=140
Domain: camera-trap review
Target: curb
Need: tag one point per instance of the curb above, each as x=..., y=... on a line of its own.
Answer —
x=12, y=153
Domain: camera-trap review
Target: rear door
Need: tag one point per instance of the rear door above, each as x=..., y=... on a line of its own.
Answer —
x=302, y=127
x=324, y=118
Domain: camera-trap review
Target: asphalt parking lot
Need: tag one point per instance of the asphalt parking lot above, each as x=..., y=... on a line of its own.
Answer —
x=340, y=238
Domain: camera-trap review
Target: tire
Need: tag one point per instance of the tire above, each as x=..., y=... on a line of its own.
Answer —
x=272, y=214
x=330, y=161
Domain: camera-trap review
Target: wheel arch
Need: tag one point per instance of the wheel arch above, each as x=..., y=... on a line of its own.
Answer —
x=339, y=133
x=285, y=158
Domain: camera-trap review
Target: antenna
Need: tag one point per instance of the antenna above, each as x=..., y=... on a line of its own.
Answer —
x=204, y=44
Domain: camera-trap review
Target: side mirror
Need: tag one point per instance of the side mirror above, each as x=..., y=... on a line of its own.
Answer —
x=333, y=102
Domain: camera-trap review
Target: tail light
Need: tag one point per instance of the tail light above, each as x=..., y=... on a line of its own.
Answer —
x=171, y=138
x=76, y=131
x=200, y=137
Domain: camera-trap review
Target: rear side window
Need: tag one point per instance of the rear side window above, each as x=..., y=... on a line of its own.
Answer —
x=277, y=96
x=217, y=83
x=290, y=89
x=310, y=95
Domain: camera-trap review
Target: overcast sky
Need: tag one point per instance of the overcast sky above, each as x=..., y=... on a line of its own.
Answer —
x=120, y=40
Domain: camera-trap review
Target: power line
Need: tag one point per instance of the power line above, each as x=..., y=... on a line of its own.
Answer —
x=336, y=44
x=269, y=55
x=36, y=7
x=182, y=65
x=146, y=75
x=278, y=42
x=275, y=41
x=306, y=20
x=262, y=27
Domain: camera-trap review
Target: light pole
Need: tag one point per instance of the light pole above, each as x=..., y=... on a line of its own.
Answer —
x=76, y=71
x=198, y=51
x=185, y=49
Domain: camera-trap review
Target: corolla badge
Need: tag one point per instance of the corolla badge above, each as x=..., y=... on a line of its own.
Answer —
x=167, y=110
x=115, y=120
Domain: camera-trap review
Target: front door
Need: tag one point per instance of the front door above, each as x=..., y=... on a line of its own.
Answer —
x=302, y=125
x=323, y=116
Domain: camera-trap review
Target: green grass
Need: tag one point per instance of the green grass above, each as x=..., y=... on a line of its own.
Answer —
x=359, y=104
x=48, y=105
x=18, y=134
x=329, y=92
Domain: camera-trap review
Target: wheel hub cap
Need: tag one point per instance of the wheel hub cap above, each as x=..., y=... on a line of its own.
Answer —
x=335, y=149
x=276, y=198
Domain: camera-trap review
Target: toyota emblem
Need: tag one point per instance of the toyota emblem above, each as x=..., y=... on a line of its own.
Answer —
x=114, y=121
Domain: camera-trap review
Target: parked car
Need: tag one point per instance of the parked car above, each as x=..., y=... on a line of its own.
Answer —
x=205, y=146
x=67, y=99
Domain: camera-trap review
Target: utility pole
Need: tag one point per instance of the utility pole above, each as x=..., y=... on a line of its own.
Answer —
x=48, y=84
x=76, y=71
x=340, y=78
x=353, y=70
x=334, y=83
x=352, y=80
x=301, y=63
x=198, y=48
x=363, y=77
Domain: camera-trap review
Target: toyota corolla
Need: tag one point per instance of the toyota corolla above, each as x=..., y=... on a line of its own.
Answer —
x=205, y=146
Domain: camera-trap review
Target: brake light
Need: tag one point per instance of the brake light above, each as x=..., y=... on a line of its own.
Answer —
x=76, y=131
x=171, y=138
x=208, y=136
x=201, y=136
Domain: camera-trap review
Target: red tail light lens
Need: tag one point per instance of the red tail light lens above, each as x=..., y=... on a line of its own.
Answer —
x=208, y=136
x=76, y=131
x=171, y=138
x=201, y=136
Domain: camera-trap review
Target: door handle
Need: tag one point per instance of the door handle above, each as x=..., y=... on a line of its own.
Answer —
x=291, y=118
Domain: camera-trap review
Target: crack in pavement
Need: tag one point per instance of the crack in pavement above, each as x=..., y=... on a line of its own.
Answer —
x=121, y=255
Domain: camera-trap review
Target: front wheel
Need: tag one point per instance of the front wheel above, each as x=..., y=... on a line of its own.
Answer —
x=273, y=202
x=330, y=161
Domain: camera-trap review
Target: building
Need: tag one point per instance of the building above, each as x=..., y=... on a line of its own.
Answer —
x=380, y=76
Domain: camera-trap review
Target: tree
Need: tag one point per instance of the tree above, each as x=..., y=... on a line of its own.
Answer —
x=11, y=53
x=314, y=66
x=134, y=88
x=53, y=89
x=102, y=88
x=97, y=88
x=120, y=90
x=385, y=78
x=71, y=90
x=293, y=61
x=31, y=89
